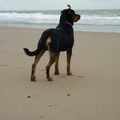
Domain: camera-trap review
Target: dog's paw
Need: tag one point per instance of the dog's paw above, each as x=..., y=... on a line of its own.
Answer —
x=49, y=78
x=56, y=73
x=69, y=73
x=33, y=78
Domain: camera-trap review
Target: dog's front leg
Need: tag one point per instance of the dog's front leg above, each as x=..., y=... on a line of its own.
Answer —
x=69, y=53
x=56, y=65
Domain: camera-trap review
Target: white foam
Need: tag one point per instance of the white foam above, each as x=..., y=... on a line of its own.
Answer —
x=45, y=19
x=34, y=17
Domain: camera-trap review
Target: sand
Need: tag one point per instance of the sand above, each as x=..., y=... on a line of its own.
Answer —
x=91, y=93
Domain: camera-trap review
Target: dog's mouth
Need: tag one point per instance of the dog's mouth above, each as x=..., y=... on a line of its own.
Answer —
x=76, y=17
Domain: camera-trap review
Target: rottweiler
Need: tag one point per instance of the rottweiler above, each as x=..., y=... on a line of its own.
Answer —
x=56, y=40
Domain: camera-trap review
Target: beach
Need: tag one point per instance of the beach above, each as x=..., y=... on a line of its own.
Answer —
x=91, y=93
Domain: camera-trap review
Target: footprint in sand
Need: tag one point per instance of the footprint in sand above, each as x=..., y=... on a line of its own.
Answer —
x=42, y=69
x=62, y=76
x=80, y=76
x=2, y=65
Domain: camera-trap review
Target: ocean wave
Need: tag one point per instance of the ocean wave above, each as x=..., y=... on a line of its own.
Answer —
x=99, y=20
x=46, y=19
x=30, y=17
x=50, y=18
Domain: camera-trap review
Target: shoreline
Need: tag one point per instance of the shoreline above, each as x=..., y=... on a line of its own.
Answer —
x=54, y=27
x=92, y=92
x=91, y=20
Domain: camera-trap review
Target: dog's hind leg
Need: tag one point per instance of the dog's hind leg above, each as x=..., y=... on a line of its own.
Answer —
x=51, y=61
x=56, y=65
x=51, y=44
x=37, y=58
x=69, y=53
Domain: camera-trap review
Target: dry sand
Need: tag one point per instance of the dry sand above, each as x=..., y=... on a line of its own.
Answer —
x=91, y=93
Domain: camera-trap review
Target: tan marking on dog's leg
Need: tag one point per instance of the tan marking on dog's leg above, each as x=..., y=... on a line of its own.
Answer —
x=51, y=61
x=37, y=58
x=68, y=63
x=47, y=42
x=56, y=65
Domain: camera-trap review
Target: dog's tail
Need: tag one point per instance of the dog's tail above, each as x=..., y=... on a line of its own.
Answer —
x=32, y=53
x=41, y=44
x=37, y=51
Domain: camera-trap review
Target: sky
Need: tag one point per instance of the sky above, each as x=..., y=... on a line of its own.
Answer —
x=58, y=4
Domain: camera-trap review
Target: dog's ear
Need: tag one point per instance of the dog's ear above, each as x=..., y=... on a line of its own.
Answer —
x=69, y=9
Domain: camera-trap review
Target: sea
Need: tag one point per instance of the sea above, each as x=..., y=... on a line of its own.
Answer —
x=102, y=20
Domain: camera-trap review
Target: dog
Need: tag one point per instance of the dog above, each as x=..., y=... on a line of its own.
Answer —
x=56, y=40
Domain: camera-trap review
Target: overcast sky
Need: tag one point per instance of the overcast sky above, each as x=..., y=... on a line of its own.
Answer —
x=58, y=4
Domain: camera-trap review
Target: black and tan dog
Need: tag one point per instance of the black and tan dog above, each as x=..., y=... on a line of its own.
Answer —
x=55, y=40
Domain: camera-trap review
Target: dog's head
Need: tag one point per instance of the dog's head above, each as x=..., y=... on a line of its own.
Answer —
x=69, y=16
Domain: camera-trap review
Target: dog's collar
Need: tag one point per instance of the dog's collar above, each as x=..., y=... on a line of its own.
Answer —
x=68, y=23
